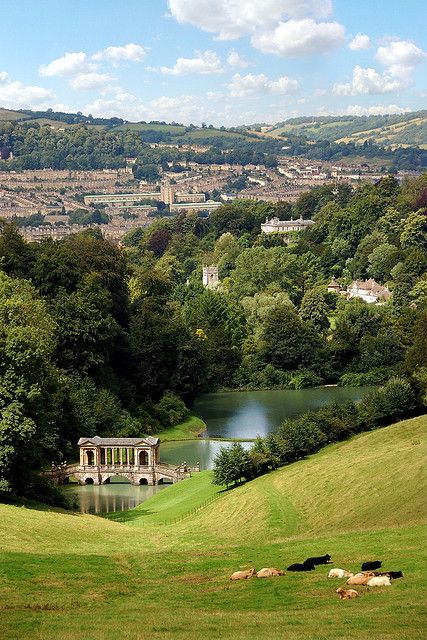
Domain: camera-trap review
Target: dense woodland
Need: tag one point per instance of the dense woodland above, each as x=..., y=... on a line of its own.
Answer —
x=84, y=144
x=97, y=339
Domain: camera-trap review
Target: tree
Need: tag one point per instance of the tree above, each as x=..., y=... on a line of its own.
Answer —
x=414, y=233
x=231, y=464
x=315, y=310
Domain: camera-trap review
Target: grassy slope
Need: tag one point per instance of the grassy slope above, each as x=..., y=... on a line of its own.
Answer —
x=8, y=114
x=67, y=576
x=189, y=429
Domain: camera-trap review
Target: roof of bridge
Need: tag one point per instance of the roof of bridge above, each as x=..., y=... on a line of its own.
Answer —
x=119, y=442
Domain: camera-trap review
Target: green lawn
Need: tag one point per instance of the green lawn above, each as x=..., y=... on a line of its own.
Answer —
x=164, y=574
x=189, y=429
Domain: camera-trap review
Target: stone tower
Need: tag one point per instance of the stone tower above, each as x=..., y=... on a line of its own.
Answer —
x=210, y=276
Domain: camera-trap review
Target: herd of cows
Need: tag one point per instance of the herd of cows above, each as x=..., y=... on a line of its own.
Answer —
x=368, y=576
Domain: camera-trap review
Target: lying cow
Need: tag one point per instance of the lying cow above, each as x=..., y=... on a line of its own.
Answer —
x=319, y=560
x=391, y=574
x=242, y=575
x=379, y=581
x=269, y=572
x=346, y=594
x=371, y=565
x=339, y=573
x=300, y=566
x=359, y=578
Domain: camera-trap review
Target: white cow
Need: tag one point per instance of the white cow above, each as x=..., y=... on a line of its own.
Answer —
x=379, y=581
x=339, y=573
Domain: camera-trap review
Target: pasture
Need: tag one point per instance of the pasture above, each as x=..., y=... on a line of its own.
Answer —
x=163, y=571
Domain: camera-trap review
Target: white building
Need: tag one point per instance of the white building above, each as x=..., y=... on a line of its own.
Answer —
x=369, y=290
x=210, y=277
x=284, y=226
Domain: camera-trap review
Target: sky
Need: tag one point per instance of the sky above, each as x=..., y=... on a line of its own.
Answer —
x=223, y=62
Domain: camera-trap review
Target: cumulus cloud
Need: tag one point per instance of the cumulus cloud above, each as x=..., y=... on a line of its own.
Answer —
x=369, y=81
x=283, y=27
x=129, y=52
x=236, y=60
x=92, y=80
x=359, y=42
x=69, y=64
x=300, y=37
x=229, y=20
x=205, y=63
x=255, y=85
x=375, y=110
x=16, y=95
x=399, y=57
x=184, y=108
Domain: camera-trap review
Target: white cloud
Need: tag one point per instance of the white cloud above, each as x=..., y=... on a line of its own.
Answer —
x=206, y=62
x=231, y=19
x=400, y=53
x=129, y=52
x=92, y=80
x=255, y=85
x=16, y=95
x=183, y=108
x=300, y=37
x=69, y=64
x=369, y=81
x=359, y=42
x=375, y=110
x=236, y=60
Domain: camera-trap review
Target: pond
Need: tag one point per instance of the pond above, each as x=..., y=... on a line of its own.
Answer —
x=243, y=414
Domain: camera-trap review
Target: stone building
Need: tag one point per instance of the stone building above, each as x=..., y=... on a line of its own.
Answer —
x=210, y=277
x=369, y=291
x=285, y=226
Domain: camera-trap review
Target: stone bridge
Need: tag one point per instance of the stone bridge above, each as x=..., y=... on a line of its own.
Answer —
x=136, y=474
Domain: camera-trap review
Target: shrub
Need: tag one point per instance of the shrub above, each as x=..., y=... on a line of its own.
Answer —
x=301, y=437
x=303, y=379
x=170, y=410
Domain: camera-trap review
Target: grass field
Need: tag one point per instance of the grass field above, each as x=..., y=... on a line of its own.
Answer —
x=189, y=429
x=164, y=574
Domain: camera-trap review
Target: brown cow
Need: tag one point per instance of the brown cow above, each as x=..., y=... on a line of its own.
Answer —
x=242, y=575
x=269, y=572
x=359, y=578
x=346, y=594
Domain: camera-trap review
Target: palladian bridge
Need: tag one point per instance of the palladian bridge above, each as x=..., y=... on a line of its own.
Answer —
x=136, y=459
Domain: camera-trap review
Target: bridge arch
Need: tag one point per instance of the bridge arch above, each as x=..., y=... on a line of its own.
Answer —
x=89, y=480
x=106, y=477
x=143, y=481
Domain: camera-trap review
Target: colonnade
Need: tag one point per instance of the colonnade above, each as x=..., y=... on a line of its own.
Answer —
x=117, y=457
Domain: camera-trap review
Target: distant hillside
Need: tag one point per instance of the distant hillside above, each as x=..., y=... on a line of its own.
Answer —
x=394, y=130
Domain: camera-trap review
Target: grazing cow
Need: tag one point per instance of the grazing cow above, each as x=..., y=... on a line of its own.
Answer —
x=300, y=566
x=379, y=581
x=339, y=573
x=242, y=575
x=346, y=594
x=371, y=565
x=269, y=572
x=392, y=574
x=319, y=560
x=359, y=578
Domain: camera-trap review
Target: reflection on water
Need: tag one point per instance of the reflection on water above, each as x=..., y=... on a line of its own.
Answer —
x=246, y=414
x=119, y=495
x=193, y=451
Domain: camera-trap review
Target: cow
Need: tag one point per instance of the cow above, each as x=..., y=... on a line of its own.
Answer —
x=346, y=594
x=379, y=581
x=392, y=574
x=339, y=573
x=242, y=575
x=359, y=578
x=269, y=572
x=326, y=559
x=371, y=565
x=300, y=566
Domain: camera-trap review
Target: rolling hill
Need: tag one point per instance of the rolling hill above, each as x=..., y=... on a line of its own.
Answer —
x=163, y=572
x=393, y=130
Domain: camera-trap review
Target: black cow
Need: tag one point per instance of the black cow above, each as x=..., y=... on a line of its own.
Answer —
x=392, y=574
x=300, y=566
x=370, y=566
x=319, y=560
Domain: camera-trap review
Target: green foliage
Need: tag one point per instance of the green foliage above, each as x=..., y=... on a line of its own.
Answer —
x=231, y=465
x=170, y=410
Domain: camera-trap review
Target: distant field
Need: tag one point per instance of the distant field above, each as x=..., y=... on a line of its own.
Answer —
x=6, y=114
x=166, y=128
x=164, y=574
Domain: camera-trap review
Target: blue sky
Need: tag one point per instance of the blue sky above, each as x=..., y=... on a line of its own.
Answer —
x=220, y=61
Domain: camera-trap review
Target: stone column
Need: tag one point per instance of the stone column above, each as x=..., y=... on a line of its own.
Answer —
x=81, y=457
x=121, y=456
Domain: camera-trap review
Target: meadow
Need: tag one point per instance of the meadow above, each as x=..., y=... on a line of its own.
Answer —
x=162, y=570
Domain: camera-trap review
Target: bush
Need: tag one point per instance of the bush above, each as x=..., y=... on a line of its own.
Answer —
x=170, y=410
x=373, y=377
x=301, y=437
x=303, y=379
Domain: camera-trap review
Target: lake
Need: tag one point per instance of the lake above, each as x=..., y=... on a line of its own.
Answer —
x=240, y=414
